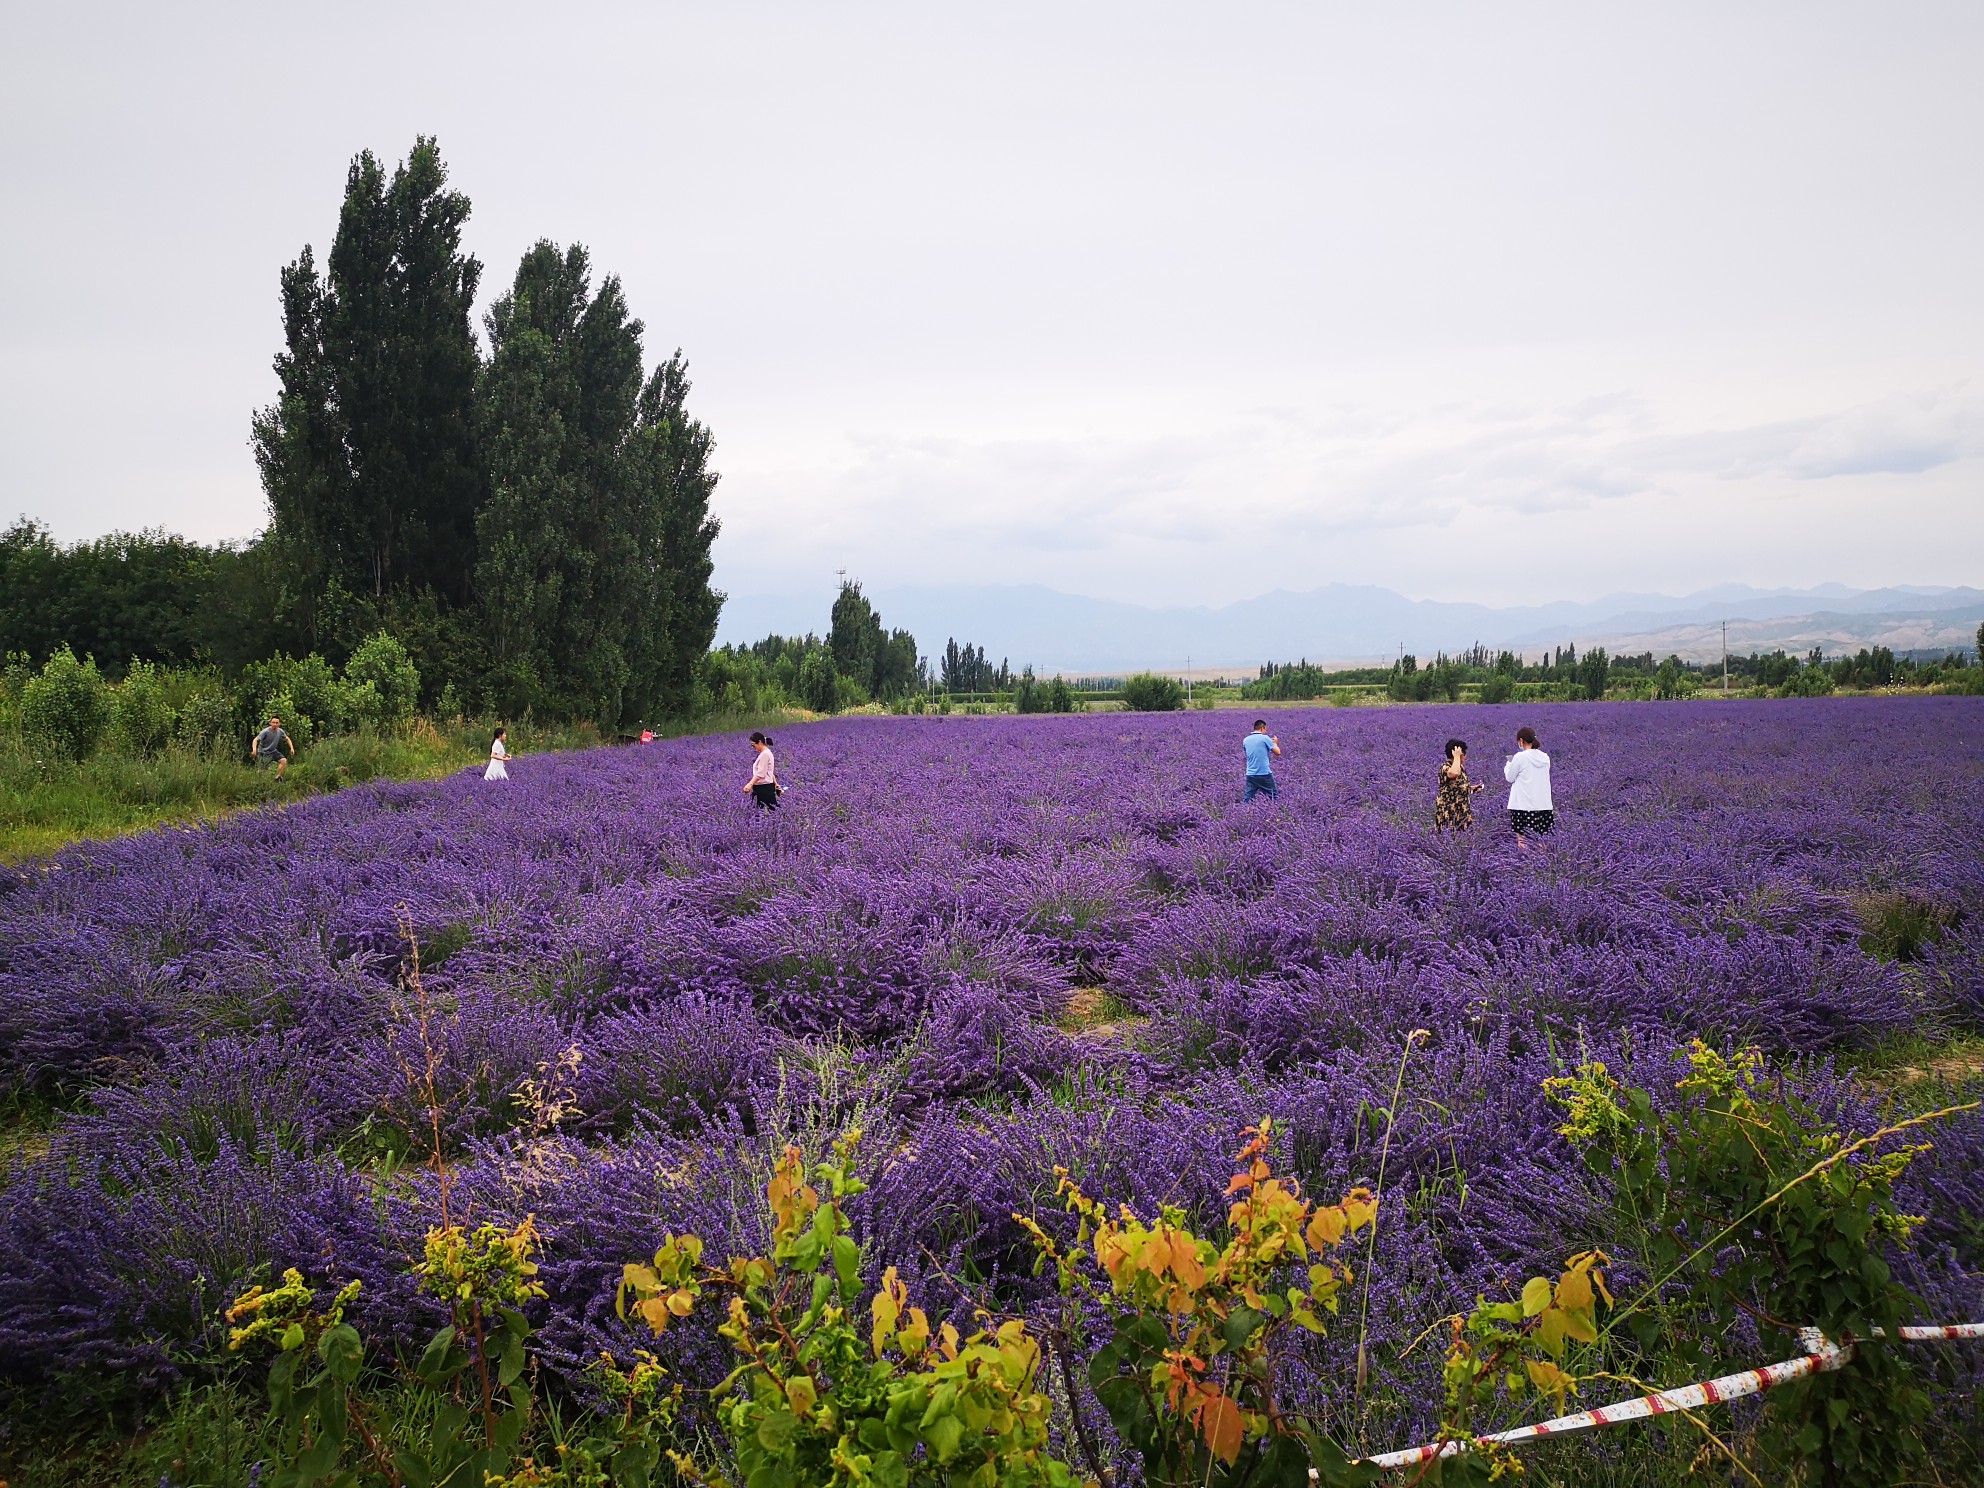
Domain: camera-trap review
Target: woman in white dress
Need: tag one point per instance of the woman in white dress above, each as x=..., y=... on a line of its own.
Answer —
x=1528, y=775
x=498, y=753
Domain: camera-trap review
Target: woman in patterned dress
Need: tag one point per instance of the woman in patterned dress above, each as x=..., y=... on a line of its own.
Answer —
x=1452, y=809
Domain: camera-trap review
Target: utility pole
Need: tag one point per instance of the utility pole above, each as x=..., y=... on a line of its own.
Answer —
x=1725, y=658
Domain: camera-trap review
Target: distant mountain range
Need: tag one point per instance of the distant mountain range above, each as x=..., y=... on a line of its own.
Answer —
x=1354, y=623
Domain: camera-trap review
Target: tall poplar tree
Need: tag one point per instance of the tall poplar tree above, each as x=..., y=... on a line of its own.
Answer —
x=594, y=544
x=669, y=483
x=368, y=454
x=565, y=368
x=883, y=663
x=855, y=636
x=536, y=528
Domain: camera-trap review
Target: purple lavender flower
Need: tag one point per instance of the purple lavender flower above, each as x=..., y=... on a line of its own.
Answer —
x=993, y=953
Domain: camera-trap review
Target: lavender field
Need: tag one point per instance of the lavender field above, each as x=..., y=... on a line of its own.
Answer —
x=998, y=945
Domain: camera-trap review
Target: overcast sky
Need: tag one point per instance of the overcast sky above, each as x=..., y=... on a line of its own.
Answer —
x=1166, y=303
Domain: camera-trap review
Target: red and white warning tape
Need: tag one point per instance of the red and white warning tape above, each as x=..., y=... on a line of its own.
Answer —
x=1823, y=1355
x=1929, y=1333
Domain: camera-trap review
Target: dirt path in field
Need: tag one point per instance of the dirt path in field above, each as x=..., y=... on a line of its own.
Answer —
x=1093, y=1014
x=1966, y=1064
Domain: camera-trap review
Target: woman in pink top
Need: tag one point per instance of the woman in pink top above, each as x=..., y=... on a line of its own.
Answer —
x=763, y=786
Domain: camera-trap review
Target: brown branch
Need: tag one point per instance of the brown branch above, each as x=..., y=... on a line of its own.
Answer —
x=1763, y=1317
x=1103, y=1474
x=379, y=1454
x=482, y=1372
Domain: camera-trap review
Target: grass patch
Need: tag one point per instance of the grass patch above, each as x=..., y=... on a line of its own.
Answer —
x=1092, y=1011
x=47, y=803
x=1924, y=1070
x=1899, y=926
x=213, y=1436
x=27, y=1123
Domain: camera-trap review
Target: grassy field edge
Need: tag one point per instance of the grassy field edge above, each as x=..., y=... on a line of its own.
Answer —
x=47, y=804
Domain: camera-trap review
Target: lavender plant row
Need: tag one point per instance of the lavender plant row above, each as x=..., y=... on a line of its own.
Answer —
x=997, y=944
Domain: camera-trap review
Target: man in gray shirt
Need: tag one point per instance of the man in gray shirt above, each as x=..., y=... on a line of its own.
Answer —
x=268, y=747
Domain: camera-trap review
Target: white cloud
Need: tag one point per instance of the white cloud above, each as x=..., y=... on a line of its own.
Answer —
x=1143, y=300
x=1300, y=497
x=1898, y=435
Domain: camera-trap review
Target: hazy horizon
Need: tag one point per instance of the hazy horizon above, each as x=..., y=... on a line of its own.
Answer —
x=1360, y=624
x=1154, y=304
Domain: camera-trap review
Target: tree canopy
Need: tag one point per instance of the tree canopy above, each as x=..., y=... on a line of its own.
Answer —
x=368, y=455
x=535, y=526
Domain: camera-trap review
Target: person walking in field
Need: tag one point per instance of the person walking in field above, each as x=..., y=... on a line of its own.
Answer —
x=1261, y=749
x=763, y=786
x=1528, y=775
x=1453, y=807
x=269, y=746
x=499, y=754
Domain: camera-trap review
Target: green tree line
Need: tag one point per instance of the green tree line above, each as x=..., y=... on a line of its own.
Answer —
x=1563, y=672
x=862, y=661
x=530, y=523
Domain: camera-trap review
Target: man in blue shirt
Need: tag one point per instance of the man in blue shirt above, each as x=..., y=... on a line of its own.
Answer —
x=1260, y=747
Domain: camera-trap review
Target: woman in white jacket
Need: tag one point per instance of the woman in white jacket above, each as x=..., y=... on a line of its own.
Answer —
x=1528, y=775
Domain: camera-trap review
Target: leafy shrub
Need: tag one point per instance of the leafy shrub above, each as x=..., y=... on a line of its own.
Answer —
x=1185, y=1374
x=907, y=1406
x=203, y=714
x=1594, y=670
x=467, y=1401
x=1672, y=680
x=1028, y=695
x=68, y=707
x=301, y=727
x=1499, y=688
x=15, y=674
x=1766, y=1211
x=1149, y=693
x=819, y=683
x=848, y=693
x=306, y=694
x=1405, y=684
x=1031, y=695
x=1811, y=681
x=143, y=719
x=384, y=682
x=1535, y=1331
